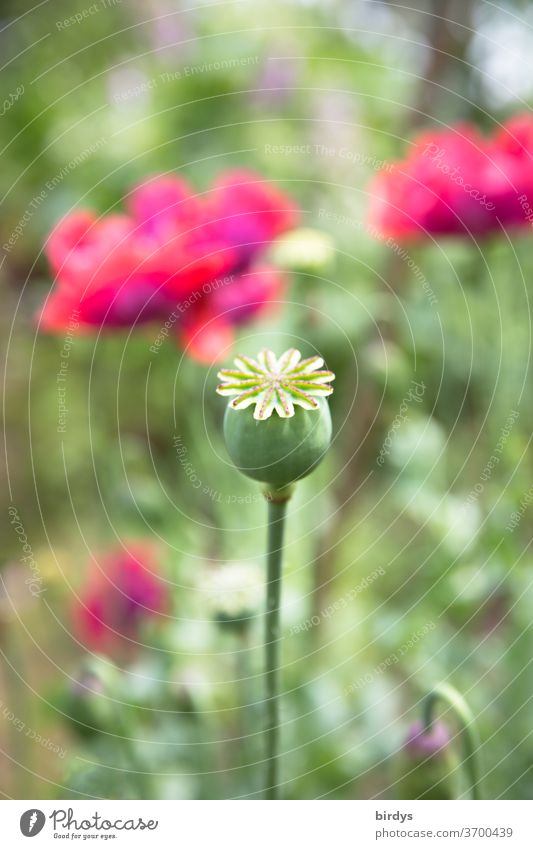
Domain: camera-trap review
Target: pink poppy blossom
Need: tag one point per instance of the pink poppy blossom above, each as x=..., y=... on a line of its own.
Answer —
x=456, y=181
x=194, y=260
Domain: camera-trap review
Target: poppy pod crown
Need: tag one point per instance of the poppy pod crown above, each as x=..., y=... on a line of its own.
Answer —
x=289, y=431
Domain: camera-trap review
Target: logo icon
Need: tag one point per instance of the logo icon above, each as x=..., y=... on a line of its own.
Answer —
x=32, y=822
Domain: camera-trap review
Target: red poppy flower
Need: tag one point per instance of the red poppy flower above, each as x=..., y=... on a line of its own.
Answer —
x=457, y=182
x=123, y=592
x=191, y=258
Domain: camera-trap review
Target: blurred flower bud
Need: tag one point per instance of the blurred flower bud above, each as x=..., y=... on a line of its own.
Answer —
x=234, y=593
x=304, y=250
x=427, y=768
x=422, y=744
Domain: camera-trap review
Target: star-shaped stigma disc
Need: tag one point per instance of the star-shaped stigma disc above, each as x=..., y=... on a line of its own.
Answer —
x=276, y=384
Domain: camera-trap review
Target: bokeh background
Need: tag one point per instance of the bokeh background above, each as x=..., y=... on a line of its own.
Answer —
x=398, y=574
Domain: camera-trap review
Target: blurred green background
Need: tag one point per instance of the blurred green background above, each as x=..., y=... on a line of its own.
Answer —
x=316, y=96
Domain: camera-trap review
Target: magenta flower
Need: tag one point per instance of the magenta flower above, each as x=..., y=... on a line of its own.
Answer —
x=193, y=260
x=456, y=181
x=123, y=592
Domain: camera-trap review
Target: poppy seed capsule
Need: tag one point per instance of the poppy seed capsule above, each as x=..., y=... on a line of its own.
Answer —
x=278, y=451
x=290, y=429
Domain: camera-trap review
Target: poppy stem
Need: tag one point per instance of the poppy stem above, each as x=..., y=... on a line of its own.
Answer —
x=135, y=768
x=277, y=508
x=469, y=734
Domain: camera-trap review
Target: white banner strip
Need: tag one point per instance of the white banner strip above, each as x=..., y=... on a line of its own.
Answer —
x=235, y=824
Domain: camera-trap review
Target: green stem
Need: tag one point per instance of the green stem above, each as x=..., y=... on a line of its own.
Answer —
x=137, y=769
x=277, y=508
x=242, y=676
x=470, y=739
x=133, y=762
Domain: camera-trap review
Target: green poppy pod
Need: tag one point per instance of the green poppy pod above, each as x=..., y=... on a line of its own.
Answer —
x=289, y=431
x=278, y=451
